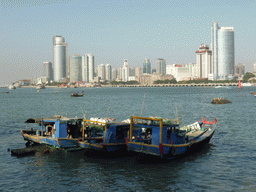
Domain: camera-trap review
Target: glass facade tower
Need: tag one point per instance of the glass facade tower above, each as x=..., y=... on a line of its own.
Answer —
x=75, y=68
x=226, y=53
x=147, y=66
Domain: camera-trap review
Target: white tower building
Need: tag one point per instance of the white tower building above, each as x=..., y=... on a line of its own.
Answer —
x=223, y=52
x=101, y=71
x=204, y=67
x=75, y=68
x=59, y=58
x=108, y=70
x=125, y=71
x=226, y=53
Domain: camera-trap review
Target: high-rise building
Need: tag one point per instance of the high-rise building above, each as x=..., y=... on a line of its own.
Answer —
x=108, y=70
x=223, y=52
x=119, y=73
x=147, y=66
x=239, y=70
x=160, y=66
x=204, y=67
x=226, y=53
x=90, y=64
x=138, y=71
x=131, y=71
x=59, y=58
x=88, y=68
x=114, y=74
x=67, y=62
x=75, y=68
x=125, y=71
x=101, y=71
x=48, y=71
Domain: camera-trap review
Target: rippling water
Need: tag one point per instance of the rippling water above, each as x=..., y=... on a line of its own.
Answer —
x=226, y=164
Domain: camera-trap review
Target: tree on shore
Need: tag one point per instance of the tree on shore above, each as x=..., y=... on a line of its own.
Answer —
x=247, y=76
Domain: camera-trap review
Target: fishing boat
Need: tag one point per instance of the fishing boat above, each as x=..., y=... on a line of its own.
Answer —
x=77, y=95
x=165, y=137
x=57, y=131
x=40, y=86
x=254, y=94
x=11, y=87
x=104, y=136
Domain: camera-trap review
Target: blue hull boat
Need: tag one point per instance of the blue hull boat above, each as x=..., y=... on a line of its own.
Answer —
x=59, y=132
x=167, y=139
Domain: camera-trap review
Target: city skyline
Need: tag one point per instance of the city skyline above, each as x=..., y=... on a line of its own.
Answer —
x=113, y=31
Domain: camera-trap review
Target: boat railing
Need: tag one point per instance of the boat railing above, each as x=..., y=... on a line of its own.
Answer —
x=86, y=121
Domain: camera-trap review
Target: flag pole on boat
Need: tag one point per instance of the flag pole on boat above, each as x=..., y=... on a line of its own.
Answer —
x=176, y=112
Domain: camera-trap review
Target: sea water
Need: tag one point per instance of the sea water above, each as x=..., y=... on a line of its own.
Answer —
x=226, y=164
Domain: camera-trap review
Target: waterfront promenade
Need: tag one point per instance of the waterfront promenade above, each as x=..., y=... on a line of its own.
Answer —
x=177, y=85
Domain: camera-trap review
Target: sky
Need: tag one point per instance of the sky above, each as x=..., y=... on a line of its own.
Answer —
x=114, y=30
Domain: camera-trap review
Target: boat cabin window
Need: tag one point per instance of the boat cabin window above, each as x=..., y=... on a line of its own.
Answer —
x=74, y=129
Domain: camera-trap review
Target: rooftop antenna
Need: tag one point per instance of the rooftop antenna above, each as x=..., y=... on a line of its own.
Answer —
x=142, y=104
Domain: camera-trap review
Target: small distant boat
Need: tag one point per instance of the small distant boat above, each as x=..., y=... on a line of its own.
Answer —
x=165, y=138
x=57, y=131
x=11, y=87
x=77, y=95
x=254, y=94
x=246, y=84
x=40, y=86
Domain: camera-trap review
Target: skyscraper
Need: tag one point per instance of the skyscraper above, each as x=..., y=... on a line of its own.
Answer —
x=108, y=70
x=147, y=66
x=88, y=68
x=214, y=48
x=75, y=68
x=223, y=52
x=48, y=71
x=114, y=74
x=101, y=71
x=204, y=62
x=125, y=71
x=160, y=66
x=59, y=58
x=226, y=53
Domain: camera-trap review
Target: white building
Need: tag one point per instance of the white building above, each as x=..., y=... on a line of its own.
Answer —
x=59, y=58
x=204, y=67
x=108, y=71
x=125, y=71
x=223, y=52
x=179, y=72
x=114, y=74
x=88, y=68
x=101, y=72
x=75, y=68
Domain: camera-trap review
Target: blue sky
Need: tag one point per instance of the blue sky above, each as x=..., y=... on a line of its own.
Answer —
x=114, y=30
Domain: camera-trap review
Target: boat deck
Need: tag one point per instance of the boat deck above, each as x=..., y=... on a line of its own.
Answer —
x=198, y=133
